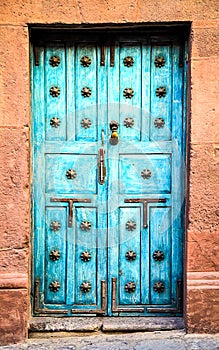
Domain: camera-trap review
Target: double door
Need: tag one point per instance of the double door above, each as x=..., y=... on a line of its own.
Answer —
x=108, y=177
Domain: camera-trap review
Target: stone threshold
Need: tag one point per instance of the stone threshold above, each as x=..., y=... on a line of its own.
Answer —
x=104, y=324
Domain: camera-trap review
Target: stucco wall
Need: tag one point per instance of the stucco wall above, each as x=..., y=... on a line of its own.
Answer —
x=202, y=261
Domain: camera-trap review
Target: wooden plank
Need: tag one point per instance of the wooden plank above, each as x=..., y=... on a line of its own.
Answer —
x=130, y=77
x=129, y=270
x=146, y=91
x=160, y=239
x=85, y=241
x=38, y=178
x=86, y=107
x=113, y=114
x=55, y=107
x=71, y=94
x=55, y=270
x=161, y=106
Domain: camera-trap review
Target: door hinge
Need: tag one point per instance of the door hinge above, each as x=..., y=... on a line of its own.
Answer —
x=102, y=58
x=112, y=54
x=36, y=53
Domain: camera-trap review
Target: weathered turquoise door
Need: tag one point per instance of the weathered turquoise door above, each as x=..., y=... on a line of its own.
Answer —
x=108, y=144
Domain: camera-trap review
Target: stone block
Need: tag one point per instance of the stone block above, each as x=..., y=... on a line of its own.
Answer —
x=14, y=260
x=204, y=100
x=14, y=188
x=13, y=316
x=205, y=41
x=95, y=11
x=14, y=79
x=203, y=251
x=203, y=310
x=203, y=189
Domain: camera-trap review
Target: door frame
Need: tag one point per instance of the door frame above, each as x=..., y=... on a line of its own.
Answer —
x=41, y=34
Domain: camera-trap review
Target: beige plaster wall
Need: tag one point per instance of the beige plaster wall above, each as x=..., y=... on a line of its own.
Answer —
x=202, y=262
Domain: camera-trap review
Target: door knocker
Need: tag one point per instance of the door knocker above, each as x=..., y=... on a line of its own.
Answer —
x=114, y=139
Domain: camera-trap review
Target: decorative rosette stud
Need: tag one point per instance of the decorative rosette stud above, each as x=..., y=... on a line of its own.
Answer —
x=55, y=226
x=86, y=92
x=159, y=62
x=128, y=93
x=159, y=287
x=55, y=122
x=86, y=123
x=54, y=286
x=85, y=226
x=54, y=91
x=161, y=92
x=159, y=123
x=128, y=61
x=130, y=225
x=54, y=255
x=130, y=255
x=129, y=122
x=71, y=174
x=85, y=287
x=146, y=174
x=85, y=256
x=130, y=287
x=158, y=255
x=54, y=61
x=85, y=61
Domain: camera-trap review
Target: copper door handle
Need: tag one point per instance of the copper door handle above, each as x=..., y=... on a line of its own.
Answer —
x=114, y=139
x=102, y=168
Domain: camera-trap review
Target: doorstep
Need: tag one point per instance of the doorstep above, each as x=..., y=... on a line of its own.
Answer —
x=104, y=324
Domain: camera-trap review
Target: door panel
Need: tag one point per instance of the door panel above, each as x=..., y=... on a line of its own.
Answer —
x=113, y=245
x=148, y=173
x=59, y=166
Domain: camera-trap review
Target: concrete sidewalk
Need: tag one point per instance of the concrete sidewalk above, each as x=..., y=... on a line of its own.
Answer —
x=159, y=340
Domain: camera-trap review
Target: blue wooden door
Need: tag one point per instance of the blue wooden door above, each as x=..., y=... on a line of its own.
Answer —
x=108, y=145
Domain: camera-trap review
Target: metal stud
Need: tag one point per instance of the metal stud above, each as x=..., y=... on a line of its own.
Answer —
x=54, y=255
x=54, y=286
x=71, y=174
x=146, y=174
x=159, y=61
x=54, y=61
x=129, y=122
x=86, y=123
x=161, y=92
x=85, y=256
x=130, y=255
x=85, y=287
x=128, y=93
x=158, y=255
x=159, y=123
x=85, y=61
x=86, y=91
x=85, y=226
x=128, y=61
x=159, y=287
x=54, y=91
x=55, y=122
x=55, y=226
x=130, y=287
x=130, y=225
